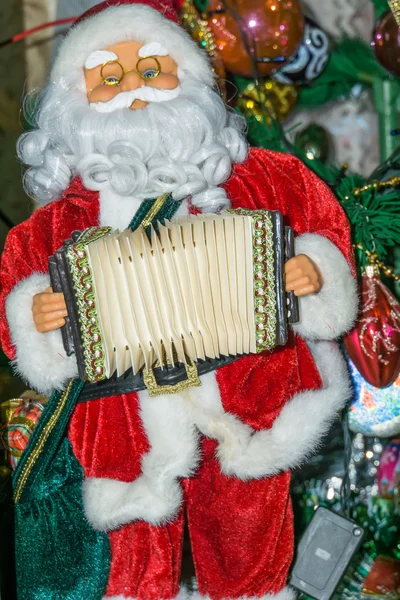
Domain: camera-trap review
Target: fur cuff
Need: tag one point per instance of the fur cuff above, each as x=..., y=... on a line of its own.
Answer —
x=297, y=431
x=155, y=496
x=294, y=435
x=110, y=504
x=330, y=313
x=40, y=357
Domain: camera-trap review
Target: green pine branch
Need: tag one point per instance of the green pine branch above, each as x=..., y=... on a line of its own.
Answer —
x=381, y=6
x=374, y=217
x=351, y=62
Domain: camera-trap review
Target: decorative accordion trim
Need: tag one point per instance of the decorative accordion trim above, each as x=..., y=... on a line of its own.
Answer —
x=264, y=291
x=264, y=277
x=82, y=280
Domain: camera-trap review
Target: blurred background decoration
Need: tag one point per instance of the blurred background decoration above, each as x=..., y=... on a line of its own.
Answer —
x=319, y=79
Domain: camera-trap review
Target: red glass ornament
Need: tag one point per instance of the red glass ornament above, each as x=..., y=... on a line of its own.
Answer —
x=374, y=344
x=256, y=30
x=386, y=43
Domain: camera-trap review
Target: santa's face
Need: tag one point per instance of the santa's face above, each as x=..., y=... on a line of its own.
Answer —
x=88, y=124
x=130, y=75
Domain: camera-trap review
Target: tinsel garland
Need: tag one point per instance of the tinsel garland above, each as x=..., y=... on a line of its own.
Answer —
x=374, y=216
x=197, y=27
x=394, y=6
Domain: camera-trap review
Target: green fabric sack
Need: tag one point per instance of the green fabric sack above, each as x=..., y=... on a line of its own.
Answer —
x=58, y=554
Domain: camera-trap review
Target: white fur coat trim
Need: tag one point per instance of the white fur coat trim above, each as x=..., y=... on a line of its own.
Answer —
x=295, y=434
x=40, y=357
x=286, y=594
x=156, y=495
x=330, y=313
x=183, y=595
x=127, y=23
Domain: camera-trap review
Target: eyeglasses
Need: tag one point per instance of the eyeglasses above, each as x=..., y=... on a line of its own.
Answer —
x=147, y=67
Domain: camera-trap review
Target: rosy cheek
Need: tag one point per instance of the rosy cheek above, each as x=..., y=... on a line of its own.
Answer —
x=103, y=93
x=164, y=82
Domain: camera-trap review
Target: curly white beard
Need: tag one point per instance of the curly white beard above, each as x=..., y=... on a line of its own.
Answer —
x=185, y=146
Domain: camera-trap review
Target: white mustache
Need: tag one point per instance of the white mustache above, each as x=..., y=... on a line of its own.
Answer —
x=145, y=93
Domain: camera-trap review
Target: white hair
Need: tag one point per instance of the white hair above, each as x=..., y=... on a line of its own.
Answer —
x=185, y=146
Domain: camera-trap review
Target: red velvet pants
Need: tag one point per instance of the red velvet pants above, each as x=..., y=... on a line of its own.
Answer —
x=241, y=533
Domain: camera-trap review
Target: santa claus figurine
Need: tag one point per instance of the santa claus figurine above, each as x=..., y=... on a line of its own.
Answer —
x=130, y=113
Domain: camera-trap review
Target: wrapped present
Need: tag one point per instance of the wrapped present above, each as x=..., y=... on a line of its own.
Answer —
x=383, y=581
x=19, y=417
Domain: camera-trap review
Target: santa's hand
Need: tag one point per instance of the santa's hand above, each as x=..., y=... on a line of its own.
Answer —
x=302, y=276
x=49, y=310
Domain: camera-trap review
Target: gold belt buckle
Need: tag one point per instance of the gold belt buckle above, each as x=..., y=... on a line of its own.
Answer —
x=156, y=390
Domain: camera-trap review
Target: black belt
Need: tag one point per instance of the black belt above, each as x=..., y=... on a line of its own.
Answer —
x=168, y=376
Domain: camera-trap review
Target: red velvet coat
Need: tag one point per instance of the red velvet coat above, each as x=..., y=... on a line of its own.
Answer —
x=266, y=180
x=266, y=412
x=255, y=388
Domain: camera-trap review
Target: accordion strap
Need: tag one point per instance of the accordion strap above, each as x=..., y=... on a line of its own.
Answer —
x=155, y=210
x=169, y=380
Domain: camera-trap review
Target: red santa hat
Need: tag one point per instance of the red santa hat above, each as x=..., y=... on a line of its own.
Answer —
x=116, y=21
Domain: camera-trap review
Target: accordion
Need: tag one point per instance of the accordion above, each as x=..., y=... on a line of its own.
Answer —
x=192, y=289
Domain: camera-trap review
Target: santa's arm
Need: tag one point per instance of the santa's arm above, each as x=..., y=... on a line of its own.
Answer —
x=331, y=312
x=38, y=358
x=296, y=433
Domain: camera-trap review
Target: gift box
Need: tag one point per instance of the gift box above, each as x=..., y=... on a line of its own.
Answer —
x=19, y=417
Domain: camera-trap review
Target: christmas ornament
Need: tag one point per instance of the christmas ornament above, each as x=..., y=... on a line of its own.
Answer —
x=19, y=417
x=373, y=259
x=310, y=59
x=374, y=411
x=255, y=37
x=383, y=580
x=389, y=470
x=315, y=141
x=386, y=43
x=266, y=99
x=374, y=343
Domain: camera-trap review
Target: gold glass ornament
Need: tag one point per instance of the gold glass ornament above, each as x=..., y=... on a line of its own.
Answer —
x=266, y=98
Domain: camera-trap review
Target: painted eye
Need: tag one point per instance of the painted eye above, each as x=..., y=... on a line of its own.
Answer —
x=111, y=80
x=150, y=73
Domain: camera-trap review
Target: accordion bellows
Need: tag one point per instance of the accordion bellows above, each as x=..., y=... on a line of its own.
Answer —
x=200, y=287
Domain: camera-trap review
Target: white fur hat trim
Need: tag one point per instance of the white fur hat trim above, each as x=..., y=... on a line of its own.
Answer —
x=135, y=22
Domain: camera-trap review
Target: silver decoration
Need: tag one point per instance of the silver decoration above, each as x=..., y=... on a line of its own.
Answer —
x=311, y=58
